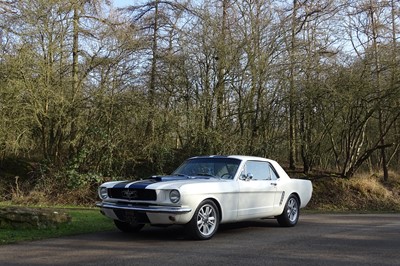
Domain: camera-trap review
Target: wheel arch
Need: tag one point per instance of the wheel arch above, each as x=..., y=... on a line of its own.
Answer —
x=205, y=227
x=285, y=200
x=297, y=196
x=217, y=203
x=290, y=214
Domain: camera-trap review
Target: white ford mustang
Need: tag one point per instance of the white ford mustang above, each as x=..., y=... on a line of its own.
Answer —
x=205, y=192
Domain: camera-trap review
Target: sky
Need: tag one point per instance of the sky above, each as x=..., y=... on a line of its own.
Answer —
x=122, y=3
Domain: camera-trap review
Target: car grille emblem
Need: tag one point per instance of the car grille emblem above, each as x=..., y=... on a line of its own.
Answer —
x=130, y=194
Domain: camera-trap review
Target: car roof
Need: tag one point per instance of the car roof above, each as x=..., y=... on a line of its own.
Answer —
x=240, y=157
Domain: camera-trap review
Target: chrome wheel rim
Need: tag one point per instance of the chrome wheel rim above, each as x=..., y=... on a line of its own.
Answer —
x=206, y=220
x=292, y=210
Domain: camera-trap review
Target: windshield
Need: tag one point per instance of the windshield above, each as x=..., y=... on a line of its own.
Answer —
x=214, y=167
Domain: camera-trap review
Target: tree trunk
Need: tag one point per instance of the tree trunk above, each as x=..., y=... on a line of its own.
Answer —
x=380, y=92
x=153, y=73
x=221, y=63
x=292, y=108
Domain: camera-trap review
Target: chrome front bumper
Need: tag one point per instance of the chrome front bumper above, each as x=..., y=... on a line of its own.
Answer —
x=153, y=209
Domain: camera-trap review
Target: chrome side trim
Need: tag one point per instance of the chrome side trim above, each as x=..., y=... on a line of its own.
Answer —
x=154, y=209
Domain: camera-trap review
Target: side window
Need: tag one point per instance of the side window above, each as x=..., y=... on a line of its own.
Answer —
x=272, y=172
x=261, y=170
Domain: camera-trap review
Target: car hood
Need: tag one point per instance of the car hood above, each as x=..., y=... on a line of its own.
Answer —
x=164, y=182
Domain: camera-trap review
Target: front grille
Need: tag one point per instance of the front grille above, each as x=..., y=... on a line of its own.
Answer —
x=132, y=194
x=132, y=216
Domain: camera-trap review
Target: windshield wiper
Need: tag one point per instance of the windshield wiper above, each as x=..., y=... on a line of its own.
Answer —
x=184, y=175
x=206, y=174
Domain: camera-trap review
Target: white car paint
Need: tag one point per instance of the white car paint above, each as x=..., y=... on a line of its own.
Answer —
x=237, y=198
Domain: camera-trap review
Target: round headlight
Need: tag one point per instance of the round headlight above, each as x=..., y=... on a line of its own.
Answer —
x=103, y=193
x=174, y=196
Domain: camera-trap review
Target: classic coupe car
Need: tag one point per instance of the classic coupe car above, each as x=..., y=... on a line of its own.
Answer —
x=207, y=191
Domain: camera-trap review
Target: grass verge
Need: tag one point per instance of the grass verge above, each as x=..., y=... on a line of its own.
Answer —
x=83, y=221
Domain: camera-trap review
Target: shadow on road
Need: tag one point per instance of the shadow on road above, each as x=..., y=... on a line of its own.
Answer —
x=177, y=232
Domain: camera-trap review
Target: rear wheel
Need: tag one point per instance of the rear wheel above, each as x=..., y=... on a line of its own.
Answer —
x=291, y=212
x=128, y=227
x=205, y=221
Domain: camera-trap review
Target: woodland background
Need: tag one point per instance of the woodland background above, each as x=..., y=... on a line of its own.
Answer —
x=89, y=92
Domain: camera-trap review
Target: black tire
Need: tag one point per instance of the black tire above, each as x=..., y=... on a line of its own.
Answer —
x=127, y=227
x=291, y=212
x=205, y=221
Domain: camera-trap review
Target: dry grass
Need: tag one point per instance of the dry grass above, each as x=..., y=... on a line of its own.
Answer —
x=364, y=192
x=84, y=196
x=49, y=192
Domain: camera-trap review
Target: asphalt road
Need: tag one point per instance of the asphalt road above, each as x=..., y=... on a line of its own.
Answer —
x=318, y=239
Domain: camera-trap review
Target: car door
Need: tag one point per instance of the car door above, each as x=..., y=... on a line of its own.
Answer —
x=257, y=189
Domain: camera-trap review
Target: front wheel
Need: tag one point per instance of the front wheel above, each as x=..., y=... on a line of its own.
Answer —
x=291, y=212
x=127, y=227
x=205, y=221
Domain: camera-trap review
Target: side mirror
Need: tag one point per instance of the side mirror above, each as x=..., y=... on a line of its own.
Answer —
x=246, y=177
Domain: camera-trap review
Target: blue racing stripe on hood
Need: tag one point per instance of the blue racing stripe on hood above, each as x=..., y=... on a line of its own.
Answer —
x=142, y=184
x=122, y=184
x=137, y=184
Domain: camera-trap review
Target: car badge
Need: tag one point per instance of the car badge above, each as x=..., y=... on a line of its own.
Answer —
x=130, y=194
